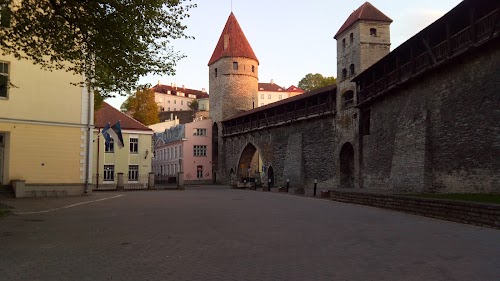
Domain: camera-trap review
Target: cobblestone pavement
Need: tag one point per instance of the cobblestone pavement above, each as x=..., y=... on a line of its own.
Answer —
x=214, y=233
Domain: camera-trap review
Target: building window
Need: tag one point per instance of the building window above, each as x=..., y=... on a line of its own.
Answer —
x=109, y=147
x=4, y=14
x=200, y=150
x=268, y=96
x=348, y=99
x=351, y=68
x=261, y=104
x=134, y=145
x=280, y=97
x=261, y=96
x=133, y=172
x=373, y=32
x=216, y=72
x=168, y=100
x=182, y=102
x=253, y=68
x=109, y=173
x=235, y=66
x=344, y=73
x=199, y=132
x=351, y=38
x=175, y=101
x=4, y=79
x=199, y=172
x=343, y=44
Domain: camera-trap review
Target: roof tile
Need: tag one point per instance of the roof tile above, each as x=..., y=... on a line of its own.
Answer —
x=366, y=12
x=108, y=114
x=232, y=42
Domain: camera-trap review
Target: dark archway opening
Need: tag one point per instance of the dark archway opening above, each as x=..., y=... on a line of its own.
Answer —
x=215, y=147
x=347, y=166
x=249, y=164
x=270, y=176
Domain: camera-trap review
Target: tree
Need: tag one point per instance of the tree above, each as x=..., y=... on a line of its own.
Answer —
x=314, y=81
x=194, y=105
x=98, y=101
x=112, y=42
x=142, y=106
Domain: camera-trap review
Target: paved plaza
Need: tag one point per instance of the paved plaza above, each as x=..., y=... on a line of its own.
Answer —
x=215, y=233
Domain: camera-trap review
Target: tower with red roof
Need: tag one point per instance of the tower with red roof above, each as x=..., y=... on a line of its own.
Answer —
x=233, y=73
x=362, y=40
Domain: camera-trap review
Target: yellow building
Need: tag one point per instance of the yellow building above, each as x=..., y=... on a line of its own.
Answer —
x=44, y=122
x=133, y=160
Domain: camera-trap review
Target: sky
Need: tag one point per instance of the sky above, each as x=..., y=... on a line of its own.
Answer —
x=290, y=38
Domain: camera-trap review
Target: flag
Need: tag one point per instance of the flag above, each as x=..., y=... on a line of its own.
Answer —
x=115, y=132
x=106, y=136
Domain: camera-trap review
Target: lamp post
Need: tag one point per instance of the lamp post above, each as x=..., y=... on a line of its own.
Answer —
x=287, y=184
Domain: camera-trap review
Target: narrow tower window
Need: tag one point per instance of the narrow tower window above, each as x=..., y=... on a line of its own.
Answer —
x=351, y=38
x=253, y=68
x=235, y=66
x=351, y=68
x=343, y=44
x=215, y=74
x=373, y=32
x=344, y=73
x=348, y=99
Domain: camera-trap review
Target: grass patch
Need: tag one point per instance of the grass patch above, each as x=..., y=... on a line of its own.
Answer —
x=4, y=213
x=472, y=197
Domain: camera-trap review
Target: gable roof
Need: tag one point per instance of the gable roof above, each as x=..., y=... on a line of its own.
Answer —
x=163, y=89
x=294, y=88
x=366, y=12
x=232, y=42
x=108, y=114
x=270, y=87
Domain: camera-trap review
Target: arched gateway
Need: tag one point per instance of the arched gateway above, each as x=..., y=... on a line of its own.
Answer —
x=249, y=164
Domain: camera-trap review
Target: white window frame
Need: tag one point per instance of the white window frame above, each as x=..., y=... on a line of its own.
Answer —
x=5, y=72
x=134, y=145
x=199, y=150
x=109, y=173
x=133, y=172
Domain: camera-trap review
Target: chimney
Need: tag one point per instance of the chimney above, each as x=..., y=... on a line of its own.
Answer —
x=184, y=87
x=203, y=90
x=158, y=82
x=272, y=81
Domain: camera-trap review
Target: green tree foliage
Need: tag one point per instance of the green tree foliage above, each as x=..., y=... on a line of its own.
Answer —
x=112, y=42
x=194, y=105
x=314, y=81
x=98, y=101
x=142, y=106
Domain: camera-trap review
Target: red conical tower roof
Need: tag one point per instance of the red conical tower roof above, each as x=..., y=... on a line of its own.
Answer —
x=232, y=42
x=366, y=12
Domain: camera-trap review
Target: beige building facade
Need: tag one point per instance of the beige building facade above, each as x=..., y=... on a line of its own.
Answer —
x=44, y=122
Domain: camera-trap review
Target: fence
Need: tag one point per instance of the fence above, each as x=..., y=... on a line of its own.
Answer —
x=118, y=180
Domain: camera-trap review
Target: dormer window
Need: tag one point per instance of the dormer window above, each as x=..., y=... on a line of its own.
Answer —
x=235, y=66
x=373, y=32
x=351, y=38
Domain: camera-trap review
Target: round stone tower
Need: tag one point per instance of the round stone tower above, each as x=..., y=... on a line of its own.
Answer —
x=233, y=73
x=234, y=85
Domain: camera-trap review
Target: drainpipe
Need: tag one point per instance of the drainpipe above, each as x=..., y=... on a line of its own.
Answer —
x=89, y=138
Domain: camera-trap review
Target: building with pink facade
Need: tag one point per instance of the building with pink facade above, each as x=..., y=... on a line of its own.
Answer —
x=185, y=150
